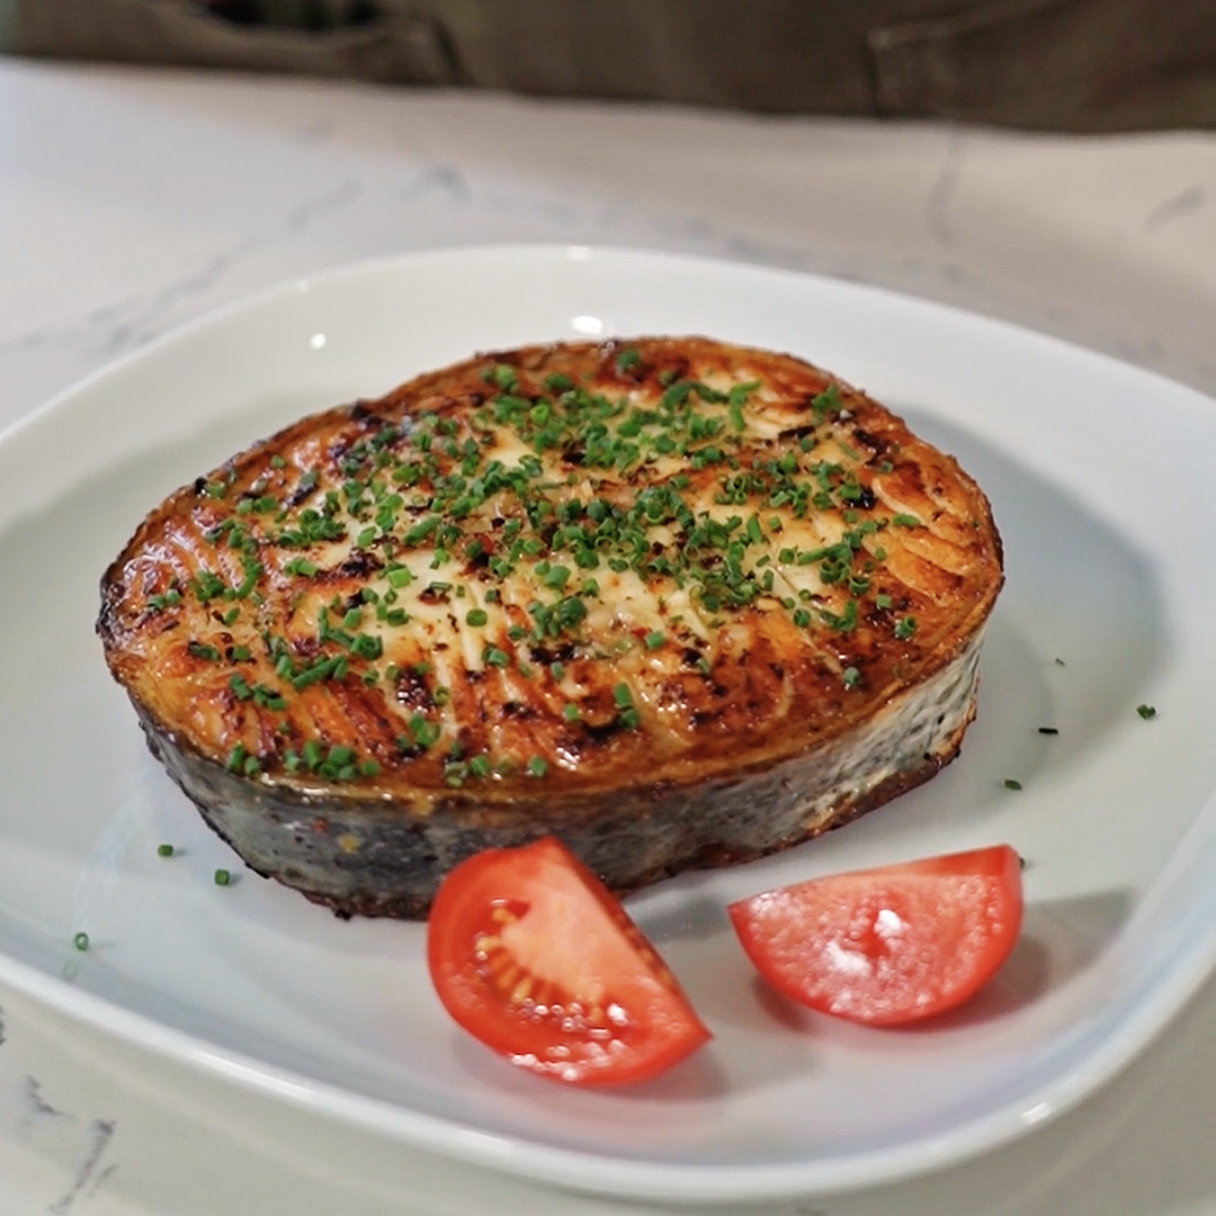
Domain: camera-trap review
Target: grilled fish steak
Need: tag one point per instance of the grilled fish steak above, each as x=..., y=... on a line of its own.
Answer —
x=677, y=602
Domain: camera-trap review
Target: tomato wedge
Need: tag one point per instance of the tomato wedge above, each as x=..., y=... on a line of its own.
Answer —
x=888, y=945
x=531, y=954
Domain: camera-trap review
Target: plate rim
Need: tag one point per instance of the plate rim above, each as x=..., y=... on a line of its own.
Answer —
x=570, y=252
x=572, y=1168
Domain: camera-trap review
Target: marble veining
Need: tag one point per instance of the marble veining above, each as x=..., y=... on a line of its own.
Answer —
x=941, y=193
x=88, y=1178
x=110, y=330
x=443, y=180
x=37, y=1107
x=199, y=189
x=1176, y=207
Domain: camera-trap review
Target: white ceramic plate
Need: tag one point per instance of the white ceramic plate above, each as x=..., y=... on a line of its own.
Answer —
x=1101, y=480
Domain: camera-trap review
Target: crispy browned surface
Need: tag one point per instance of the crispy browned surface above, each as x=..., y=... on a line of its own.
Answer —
x=716, y=686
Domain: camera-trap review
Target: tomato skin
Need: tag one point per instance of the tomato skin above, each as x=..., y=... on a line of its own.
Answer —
x=888, y=945
x=533, y=956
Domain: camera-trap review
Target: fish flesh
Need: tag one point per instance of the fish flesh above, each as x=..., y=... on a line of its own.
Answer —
x=677, y=602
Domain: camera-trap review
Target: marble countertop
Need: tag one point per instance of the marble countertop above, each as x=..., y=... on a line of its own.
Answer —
x=131, y=202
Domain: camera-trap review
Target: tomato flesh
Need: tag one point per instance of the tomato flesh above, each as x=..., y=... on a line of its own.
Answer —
x=531, y=954
x=888, y=945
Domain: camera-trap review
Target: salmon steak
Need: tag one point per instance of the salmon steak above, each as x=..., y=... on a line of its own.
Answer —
x=678, y=603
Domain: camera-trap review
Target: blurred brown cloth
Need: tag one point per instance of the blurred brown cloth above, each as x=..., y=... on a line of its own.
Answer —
x=1081, y=65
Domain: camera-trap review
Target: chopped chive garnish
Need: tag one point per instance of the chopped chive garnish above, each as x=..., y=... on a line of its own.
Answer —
x=81, y=941
x=425, y=734
x=1010, y=784
x=516, y=486
x=537, y=767
x=421, y=530
x=504, y=376
x=223, y=878
x=1146, y=711
x=164, y=850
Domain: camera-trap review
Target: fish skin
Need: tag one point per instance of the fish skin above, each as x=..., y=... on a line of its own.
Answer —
x=749, y=737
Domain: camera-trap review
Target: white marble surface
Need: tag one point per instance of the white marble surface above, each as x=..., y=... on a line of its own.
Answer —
x=131, y=202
